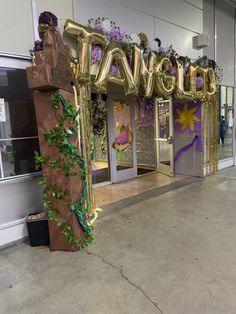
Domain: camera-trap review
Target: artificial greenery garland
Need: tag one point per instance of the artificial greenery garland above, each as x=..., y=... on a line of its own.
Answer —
x=58, y=137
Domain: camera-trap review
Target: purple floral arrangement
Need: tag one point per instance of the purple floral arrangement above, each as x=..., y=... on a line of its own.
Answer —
x=47, y=18
x=199, y=82
x=38, y=45
x=116, y=34
x=112, y=32
x=96, y=54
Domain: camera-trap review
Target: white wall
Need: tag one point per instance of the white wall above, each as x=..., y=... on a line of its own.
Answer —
x=129, y=19
x=224, y=15
x=209, y=27
x=176, y=22
x=16, y=25
x=219, y=25
x=63, y=9
x=19, y=197
x=173, y=21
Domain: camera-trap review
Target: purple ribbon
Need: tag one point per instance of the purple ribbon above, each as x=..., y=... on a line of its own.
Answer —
x=184, y=149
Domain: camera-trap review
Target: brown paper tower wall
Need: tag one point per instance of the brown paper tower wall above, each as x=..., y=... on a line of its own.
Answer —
x=52, y=74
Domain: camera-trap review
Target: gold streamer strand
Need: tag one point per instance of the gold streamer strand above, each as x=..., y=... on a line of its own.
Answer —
x=210, y=136
x=78, y=117
x=86, y=141
x=84, y=138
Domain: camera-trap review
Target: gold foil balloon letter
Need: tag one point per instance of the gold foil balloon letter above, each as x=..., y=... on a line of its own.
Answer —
x=144, y=71
x=85, y=36
x=164, y=84
x=211, y=82
x=194, y=71
x=114, y=53
x=181, y=94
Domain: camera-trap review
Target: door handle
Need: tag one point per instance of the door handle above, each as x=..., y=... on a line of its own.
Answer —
x=170, y=140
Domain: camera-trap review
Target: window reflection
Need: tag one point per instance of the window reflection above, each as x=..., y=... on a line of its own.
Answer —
x=18, y=127
x=225, y=122
x=19, y=107
x=18, y=156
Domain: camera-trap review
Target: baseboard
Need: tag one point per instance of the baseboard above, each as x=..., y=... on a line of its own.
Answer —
x=100, y=185
x=12, y=232
x=225, y=163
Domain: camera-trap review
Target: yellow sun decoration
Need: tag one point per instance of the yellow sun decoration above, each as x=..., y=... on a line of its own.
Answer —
x=187, y=117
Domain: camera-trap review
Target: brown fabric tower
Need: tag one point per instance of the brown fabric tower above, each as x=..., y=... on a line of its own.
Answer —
x=52, y=74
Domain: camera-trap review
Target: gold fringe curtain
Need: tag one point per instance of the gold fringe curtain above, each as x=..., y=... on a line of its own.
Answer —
x=210, y=135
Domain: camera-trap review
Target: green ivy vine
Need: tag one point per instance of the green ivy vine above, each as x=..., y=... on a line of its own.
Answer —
x=58, y=136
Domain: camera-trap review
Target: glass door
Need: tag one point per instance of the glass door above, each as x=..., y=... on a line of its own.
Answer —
x=100, y=149
x=164, y=139
x=122, y=141
x=225, y=122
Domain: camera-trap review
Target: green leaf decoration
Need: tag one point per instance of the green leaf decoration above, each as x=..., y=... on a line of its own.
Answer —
x=58, y=137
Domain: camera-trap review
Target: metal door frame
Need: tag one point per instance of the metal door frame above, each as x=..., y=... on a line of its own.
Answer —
x=117, y=176
x=165, y=169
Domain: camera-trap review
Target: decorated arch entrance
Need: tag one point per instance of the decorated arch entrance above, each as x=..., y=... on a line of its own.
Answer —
x=158, y=87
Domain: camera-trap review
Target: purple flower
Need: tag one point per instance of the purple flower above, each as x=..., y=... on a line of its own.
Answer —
x=96, y=54
x=199, y=82
x=115, y=70
x=49, y=18
x=38, y=45
x=158, y=41
x=161, y=49
x=98, y=27
x=116, y=34
x=205, y=62
x=172, y=71
x=173, y=60
x=185, y=68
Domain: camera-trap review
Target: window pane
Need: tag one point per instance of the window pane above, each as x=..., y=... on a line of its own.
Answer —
x=225, y=123
x=1, y=176
x=18, y=156
x=163, y=116
x=145, y=135
x=100, y=164
x=123, y=135
x=18, y=102
x=230, y=91
x=223, y=94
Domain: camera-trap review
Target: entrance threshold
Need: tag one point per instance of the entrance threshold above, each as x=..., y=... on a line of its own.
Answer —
x=110, y=194
x=102, y=184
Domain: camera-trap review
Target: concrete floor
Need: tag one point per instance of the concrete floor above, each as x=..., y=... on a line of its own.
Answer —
x=115, y=192
x=174, y=253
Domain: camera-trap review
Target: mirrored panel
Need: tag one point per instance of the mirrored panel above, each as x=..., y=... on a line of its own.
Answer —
x=145, y=148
